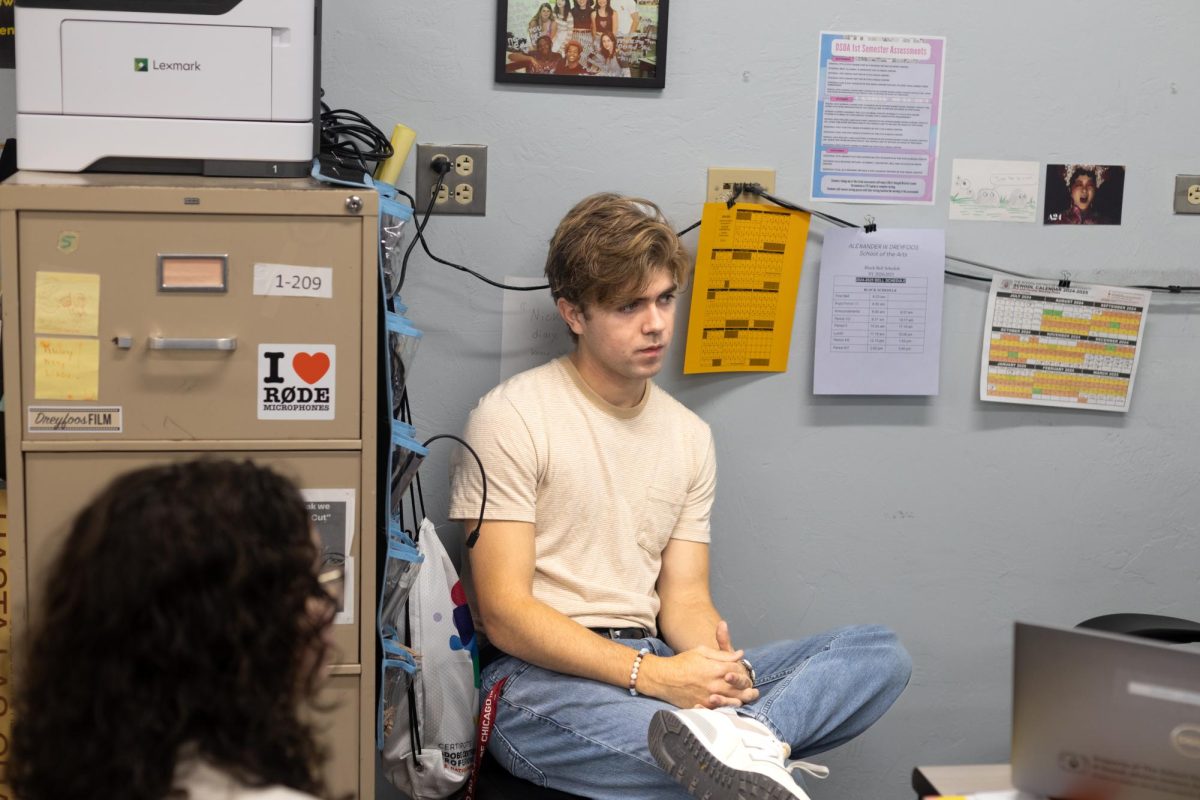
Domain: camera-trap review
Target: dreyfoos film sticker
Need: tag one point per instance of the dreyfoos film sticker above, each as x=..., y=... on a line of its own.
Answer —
x=296, y=381
x=74, y=419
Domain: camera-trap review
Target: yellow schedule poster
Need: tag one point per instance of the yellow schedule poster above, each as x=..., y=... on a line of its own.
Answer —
x=744, y=290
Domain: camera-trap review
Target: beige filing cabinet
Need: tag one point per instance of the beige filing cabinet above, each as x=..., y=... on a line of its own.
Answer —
x=150, y=318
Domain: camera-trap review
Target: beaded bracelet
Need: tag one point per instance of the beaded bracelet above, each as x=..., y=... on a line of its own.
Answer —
x=633, y=672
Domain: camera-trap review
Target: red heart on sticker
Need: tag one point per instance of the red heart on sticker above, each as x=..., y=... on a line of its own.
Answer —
x=311, y=367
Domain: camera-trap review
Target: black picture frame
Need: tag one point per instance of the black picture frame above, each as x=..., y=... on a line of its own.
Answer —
x=641, y=53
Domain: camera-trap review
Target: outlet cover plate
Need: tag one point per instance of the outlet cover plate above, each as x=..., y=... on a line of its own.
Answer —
x=721, y=180
x=447, y=202
x=1187, y=194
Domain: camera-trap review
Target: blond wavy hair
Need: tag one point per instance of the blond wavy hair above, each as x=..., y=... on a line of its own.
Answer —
x=609, y=247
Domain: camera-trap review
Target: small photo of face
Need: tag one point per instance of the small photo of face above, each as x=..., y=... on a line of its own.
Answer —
x=1084, y=194
x=1083, y=189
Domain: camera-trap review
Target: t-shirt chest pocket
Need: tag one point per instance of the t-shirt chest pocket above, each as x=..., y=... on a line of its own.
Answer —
x=660, y=513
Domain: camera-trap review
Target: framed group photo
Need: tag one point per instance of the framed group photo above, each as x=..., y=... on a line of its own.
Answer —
x=582, y=42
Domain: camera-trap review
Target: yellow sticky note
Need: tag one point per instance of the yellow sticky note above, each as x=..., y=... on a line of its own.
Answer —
x=66, y=369
x=67, y=302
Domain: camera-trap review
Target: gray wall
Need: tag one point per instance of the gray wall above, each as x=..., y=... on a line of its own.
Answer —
x=944, y=517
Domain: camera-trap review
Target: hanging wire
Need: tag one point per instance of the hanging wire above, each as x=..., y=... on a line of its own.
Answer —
x=473, y=536
x=420, y=229
x=425, y=246
x=755, y=189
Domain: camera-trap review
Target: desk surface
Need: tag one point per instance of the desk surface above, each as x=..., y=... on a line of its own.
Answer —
x=962, y=779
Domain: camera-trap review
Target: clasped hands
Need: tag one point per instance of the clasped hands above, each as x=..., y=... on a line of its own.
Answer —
x=702, y=677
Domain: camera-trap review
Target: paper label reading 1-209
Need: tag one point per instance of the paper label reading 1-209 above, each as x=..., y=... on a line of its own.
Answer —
x=285, y=280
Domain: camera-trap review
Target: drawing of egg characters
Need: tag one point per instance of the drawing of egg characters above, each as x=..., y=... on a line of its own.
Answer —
x=962, y=188
x=988, y=197
x=1018, y=198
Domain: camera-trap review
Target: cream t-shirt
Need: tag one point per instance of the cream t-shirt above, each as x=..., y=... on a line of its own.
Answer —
x=605, y=487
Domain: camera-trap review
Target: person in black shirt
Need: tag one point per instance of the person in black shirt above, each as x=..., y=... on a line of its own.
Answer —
x=572, y=64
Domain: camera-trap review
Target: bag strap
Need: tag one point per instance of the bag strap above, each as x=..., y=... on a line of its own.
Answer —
x=486, y=717
x=414, y=720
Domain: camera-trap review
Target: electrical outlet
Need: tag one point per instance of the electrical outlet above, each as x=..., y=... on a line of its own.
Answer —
x=1187, y=194
x=464, y=187
x=722, y=179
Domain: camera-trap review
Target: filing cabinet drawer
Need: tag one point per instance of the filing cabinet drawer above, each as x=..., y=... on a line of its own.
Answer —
x=338, y=724
x=59, y=484
x=100, y=333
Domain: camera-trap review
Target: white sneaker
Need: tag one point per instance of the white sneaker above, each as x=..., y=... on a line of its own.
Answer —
x=718, y=755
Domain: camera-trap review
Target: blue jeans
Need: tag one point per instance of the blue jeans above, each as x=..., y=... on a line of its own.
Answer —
x=589, y=738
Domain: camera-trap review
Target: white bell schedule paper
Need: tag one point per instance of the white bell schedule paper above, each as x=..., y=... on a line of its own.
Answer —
x=879, y=312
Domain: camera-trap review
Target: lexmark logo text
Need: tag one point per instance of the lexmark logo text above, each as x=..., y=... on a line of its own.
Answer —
x=150, y=65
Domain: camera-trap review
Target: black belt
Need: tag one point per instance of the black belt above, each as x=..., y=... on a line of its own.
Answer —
x=622, y=633
x=489, y=653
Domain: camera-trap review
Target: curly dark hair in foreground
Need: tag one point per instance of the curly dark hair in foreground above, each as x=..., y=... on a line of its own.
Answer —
x=183, y=617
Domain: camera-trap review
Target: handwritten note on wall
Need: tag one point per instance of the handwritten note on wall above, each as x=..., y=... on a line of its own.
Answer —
x=531, y=331
x=67, y=302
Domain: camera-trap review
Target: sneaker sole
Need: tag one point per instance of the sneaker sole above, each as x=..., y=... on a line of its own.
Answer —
x=689, y=763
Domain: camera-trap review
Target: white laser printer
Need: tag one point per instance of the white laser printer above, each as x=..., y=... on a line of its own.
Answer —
x=213, y=87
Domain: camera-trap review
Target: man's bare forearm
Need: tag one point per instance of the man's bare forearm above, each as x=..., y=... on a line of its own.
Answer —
x=532, y=631
x=688, y=624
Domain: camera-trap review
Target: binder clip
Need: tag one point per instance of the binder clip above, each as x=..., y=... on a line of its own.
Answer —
x=1064, y=283
x=869, y=227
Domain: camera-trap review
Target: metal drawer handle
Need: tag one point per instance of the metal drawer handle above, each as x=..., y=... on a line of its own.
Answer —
x=163, y=343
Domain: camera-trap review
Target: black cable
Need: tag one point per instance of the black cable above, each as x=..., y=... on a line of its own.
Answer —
x=412, y=501
x=469, y=271
x=1171, y=289
x=738, y=190
x=406, y=415
x=420, y=229
x=416, y=494
x=983, y=278
x=792, y=206
x=756, y=189
x=350, y=137
x=981, y=265
x=420, y=237
x=497, y=284
x=473, y=536
x=414, y=721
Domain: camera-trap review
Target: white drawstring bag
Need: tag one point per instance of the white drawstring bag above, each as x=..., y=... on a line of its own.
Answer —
x=427, y=730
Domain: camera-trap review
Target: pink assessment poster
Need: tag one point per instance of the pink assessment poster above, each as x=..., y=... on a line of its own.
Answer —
x=879, y=99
